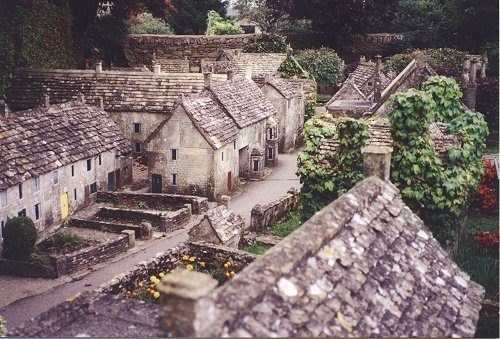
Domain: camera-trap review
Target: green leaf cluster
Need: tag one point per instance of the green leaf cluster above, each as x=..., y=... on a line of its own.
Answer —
x=216, y=25
x=323, y=64
x=437, y=190
x=327, y=175
x=436, y=57
x=146, y=23
x=267, y=43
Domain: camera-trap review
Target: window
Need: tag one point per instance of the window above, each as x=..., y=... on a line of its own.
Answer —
x=125, y=170
x=36, y=184
x=174, y=154
x=22, y=213
x=2, y=228
x=370, y=83
x=37, y=211
x=174, y=179
x=89, y=164
x=270, y=153
x=3, y=198
x=93, y=188
x=137, y=147
x=55, y=177
x=256, y=165
x=137, y=127
x=100, y=159
x=74, y=193
x=222, y=156
x=234, y=144
x=72, y=170
x=20, y=190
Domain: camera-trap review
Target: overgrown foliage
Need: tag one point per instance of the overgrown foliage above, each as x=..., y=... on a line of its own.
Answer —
x=486, y=196
x=323, y=64
x=438, y=191
x=327, y=175
x=216, y=25
x=19, y=238
x=189, y=16
x=145, y=23
x=267, y=43
x=445, y=61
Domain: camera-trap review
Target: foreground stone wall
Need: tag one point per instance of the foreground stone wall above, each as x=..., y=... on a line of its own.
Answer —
x=264, y=216
x=199, y=205
x=105, y=226
x=139, y=48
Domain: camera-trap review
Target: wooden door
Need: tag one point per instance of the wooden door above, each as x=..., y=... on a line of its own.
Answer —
x=156, y=183
x=118, y=178
x=111, y=181
x=64, y=206
x=229, y=181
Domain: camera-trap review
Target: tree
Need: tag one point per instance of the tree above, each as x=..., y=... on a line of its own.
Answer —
x=216, y=25
x=145, y=23
x=189, y=16
x=270, y=15
x=19, y=238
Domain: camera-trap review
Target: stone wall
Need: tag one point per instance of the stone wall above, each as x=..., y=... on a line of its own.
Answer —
x=374, y=42
x=68, y=263
x=269, y=214
x=105, y=226
x=176, y=220
x=139, y=48
x=304, y=40
x=199, y=205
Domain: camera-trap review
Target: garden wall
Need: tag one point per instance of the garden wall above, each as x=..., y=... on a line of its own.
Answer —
x=139, y=48
x=374, y=43
x=264, y=216
x=105, y=226
x=68, y=263
x=199, y=205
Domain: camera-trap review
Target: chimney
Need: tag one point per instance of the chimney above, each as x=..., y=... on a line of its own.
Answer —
x=98, y=66
x=465, y=71
x=248, y=72
x=362, y=59
x=181, y=315
x=230, y=74
x=483, y=65
x=4, y=109
x=207, y=77
x=46, y=100
x=81, y=98
x=156, y=69
x=377, y=89
x=101, y=102
x=377, y=161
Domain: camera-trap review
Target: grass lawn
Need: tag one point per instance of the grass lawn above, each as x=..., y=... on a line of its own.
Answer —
x=482, y=266
x=256, y=249
x=286, y=226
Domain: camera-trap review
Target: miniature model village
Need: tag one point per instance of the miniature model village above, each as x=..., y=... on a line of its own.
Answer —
x=116, y=160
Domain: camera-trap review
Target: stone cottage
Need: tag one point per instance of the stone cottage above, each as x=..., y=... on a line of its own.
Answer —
x=214, y=139
x=138, y=102
x=55, y=158
x=287, y=96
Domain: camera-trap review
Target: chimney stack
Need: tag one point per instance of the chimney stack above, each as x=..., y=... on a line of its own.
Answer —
x=46, y=100
x=81, y=98
x=156, y=69
x=377, y=161
x=248, y=72
x=484, y=63
x=362, y=59
x=98, y=66
x=207, y=77
x=377, y=90
x=4, y=109
x=230, y=74
x=101, y=102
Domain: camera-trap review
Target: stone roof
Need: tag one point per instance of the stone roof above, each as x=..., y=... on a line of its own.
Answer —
x=38, y=141
x=380, y=135
x=243, y=101
x=288, y=89
x=95, y=314
x=363, y=266
x=224, y=222
x=212, y=121
x=121, y=91
x=174, y=65
x=366, y=71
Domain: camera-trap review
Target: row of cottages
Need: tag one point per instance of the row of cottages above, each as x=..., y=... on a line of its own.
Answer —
x=55, y=158
x=138, y=101
x=368, y=88
x=226, y=133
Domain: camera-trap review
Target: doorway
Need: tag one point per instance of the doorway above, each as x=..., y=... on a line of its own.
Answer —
x=111, y=181
x=64, y=206
x=156, y=183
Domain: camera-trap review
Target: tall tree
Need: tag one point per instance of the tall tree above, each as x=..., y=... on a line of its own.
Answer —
x=189, y=16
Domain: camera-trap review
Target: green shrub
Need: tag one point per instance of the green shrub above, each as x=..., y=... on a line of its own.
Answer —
x=145, y=23
x=67, y=238
x=445, y=61
x=216, y=25
x=267, y=43
x=19, y=238
x=323, y=64
x=255, y=249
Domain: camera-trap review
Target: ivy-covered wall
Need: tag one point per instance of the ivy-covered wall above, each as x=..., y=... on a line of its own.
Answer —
x=34, y=34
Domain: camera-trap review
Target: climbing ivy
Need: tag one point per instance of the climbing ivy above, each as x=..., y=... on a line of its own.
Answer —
x=326, y=175
x=446, y=94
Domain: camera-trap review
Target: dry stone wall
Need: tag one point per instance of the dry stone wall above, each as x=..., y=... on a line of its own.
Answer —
x=105, y=226
x=264, y=216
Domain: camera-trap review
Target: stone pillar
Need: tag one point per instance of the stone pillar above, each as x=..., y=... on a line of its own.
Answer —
x=4, y=109
x=180, y=290
x=207, y=77
x=156, y=69
x=470, y=89
x=248, y=72
x=224, y=200
x=81, y=98
x=377, y=161
x=98, y=66
x=101, y=102
x=131, y=237
x=377, y=90
x=483, y=65
x=46, y=101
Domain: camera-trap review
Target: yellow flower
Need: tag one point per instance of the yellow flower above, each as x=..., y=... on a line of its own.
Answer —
x=156, y=295
x=189, y=267
x=233, y=273
x=226, y=265
x=185, y=257
x=140, y=284
x=227, y=274
x=192, y=259
x=161, y=274
x=202, y=264
x=153, y=278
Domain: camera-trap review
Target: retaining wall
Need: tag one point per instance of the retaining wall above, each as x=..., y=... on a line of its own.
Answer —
x=105, y=226
x=264, y=216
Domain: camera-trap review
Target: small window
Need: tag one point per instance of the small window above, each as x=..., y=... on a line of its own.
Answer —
x=55, y=177
x=20, y=190
x=174, y=179
x=37, y=211
x=93, y=188
x=3, y=198
x=36, y=184
x=72, y=170
x=174, y=154
x=234, y=144
x=137, y=127
x=2, y=228
x=137, y=147
x=100, y=160
x=270, y=153
x=89, y=164
x=125, y=170
x=370, y=83
x=256, y=165
x=22, y=213
x=74, y=194
x=222, y=156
